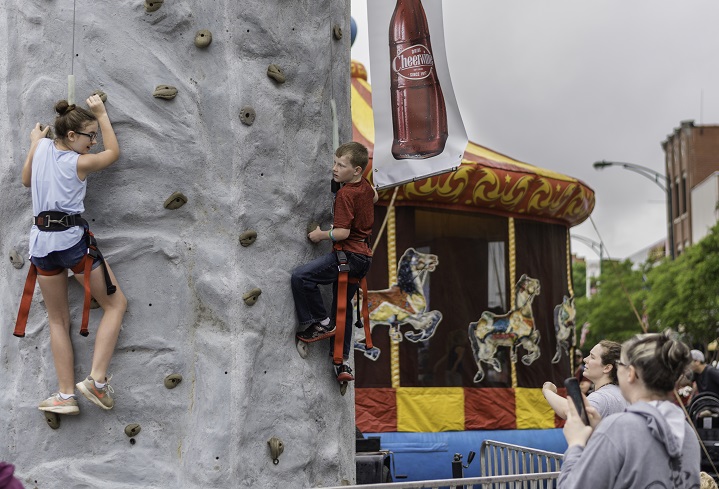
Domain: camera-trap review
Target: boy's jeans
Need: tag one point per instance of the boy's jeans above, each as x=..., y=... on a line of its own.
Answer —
x=308, y=298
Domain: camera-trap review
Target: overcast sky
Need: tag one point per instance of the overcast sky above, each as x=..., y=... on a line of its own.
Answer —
x=563, y=83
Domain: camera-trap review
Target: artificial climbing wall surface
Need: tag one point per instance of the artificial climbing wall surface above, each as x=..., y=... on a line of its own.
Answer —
x=248, y=151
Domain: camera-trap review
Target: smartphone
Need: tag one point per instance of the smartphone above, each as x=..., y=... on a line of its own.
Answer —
x=573, y=392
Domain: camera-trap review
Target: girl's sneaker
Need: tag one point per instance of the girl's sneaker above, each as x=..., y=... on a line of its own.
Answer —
x=56, y=404
x=100, y=397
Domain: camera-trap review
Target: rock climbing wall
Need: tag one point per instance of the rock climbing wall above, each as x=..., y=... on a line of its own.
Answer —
x=248, y=152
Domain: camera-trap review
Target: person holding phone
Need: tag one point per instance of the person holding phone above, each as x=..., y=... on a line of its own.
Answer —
x=600, y=367
x=650, y=444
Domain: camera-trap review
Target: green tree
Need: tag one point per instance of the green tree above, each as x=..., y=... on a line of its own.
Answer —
x=609, y=311
x=579, y=279
x=684, y=293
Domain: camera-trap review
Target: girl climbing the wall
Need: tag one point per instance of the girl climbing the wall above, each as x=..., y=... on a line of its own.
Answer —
x=56, y=170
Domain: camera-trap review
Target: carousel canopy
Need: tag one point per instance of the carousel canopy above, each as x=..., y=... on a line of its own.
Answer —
x=486, y=181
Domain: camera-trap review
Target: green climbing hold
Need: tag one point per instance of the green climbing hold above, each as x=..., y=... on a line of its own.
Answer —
x=172, y=380
x=175, y=201
x=275, y=72
x=203, y=38
x=153, y=5
x=276, y=449
x=251, y=297
x=247, y=115
x=132, y=429
x=248, y=237
x=168, y=92
x=53, y=419
x=16, y=259
x=101, y=94
x=312, y=226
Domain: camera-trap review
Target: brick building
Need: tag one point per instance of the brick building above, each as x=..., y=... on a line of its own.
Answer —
x=692, y=167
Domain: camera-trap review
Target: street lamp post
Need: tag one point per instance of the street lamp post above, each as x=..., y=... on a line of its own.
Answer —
x=598, y=249
x=662, y=181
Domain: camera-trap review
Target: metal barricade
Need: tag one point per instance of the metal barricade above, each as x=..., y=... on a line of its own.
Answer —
x=501, y=465
x=503, y=459
x=547, y=479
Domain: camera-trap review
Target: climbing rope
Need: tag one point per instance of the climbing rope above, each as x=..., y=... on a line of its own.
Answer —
x=71, y=76
x=386, y=218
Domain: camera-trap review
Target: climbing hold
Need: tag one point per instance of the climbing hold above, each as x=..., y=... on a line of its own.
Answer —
x=93, y=303
x=276, y=449
x=312, y=226
x=247, y=115
x=153, y=5
x=175, y=201
x=302, y=349
x=275, y=72
x=53, y=419
x=16, y=259
x=172, y=380
x=251, y=297
x=101, y=94
x=50, y=134
x=132, y=429
x=337, y=32
x=343, y=388
x=248, y=237
x=203, y=38
x=168, y=92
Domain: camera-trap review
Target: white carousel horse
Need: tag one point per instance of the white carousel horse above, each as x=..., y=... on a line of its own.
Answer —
x=511, y=329
x=564, y=315
x=403, y=303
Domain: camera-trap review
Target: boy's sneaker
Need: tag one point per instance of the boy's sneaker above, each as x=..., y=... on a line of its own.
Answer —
x=100, y=397
x=344, y=373
x=56, y=404
x=316, y=332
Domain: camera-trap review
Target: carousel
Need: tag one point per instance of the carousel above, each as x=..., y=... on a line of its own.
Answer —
x=471, y=300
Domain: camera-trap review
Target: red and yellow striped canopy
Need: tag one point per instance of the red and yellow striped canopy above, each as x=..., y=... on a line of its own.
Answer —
x=486, y=181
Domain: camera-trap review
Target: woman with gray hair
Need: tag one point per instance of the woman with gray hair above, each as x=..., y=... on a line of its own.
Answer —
x=650, y=444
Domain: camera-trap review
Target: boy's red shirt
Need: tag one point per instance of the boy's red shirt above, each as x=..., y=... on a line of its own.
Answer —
x=354, y=210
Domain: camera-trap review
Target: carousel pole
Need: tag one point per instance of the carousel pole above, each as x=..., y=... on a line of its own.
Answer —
x=392, y=278
x=512, y=280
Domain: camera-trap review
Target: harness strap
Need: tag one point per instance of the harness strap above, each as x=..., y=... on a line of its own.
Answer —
x=340, y=317
x=25, y=302
x=365, y=313
x=84, y=266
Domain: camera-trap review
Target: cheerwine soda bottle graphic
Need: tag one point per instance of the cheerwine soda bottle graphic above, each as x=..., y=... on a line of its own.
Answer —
x=419, y=116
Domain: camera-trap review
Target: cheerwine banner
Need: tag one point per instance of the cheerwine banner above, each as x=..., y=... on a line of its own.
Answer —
x=418, y=127
x=414, y=63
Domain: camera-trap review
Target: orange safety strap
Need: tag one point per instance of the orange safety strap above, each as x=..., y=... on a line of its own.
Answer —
x=340, y=319
x=84, y=266
x=365, y=314
x=25, y=302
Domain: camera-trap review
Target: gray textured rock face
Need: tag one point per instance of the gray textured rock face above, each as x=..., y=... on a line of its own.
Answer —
x=183, y=270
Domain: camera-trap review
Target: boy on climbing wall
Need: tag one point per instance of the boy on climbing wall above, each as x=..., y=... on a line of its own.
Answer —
x=350, y=232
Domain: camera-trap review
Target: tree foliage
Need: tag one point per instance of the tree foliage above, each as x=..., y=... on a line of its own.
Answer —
x=579, y=278
x=682, y=294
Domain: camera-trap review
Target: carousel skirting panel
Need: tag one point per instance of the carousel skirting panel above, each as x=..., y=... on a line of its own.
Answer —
x=438, y=409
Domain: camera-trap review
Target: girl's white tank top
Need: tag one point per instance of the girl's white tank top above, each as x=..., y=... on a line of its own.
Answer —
x=55, y=187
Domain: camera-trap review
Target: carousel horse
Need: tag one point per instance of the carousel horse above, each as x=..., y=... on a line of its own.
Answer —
x=512, y=329
x=403, y=303
x=564, y=315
